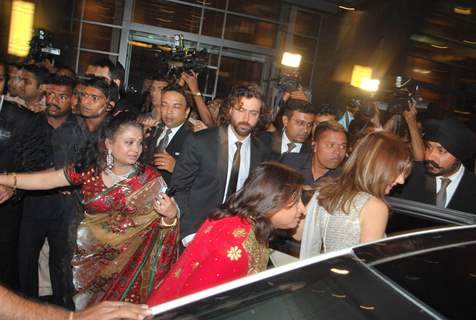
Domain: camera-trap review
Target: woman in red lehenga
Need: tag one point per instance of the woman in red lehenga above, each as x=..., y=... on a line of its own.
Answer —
x=233, y=241
x=126, y=241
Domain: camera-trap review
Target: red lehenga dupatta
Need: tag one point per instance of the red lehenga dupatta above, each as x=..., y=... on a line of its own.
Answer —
x=122, y=254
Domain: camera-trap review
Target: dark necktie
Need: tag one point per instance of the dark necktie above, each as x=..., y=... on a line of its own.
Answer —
x=291, y=147
x=235, y=171
x=441, y=195
x=165, y=141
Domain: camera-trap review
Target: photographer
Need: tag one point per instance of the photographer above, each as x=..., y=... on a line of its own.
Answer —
x=190, y=79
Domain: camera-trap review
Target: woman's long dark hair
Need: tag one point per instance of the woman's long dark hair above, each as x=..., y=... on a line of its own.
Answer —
x=93, y=153
x=269, y=188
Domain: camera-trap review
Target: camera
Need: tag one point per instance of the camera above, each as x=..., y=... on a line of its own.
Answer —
x=401, y=96
x=289, y=82
x=177, y=59
x=42, y=46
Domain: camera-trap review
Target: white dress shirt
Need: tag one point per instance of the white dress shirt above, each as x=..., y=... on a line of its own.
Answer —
x=245, y=159
x=171, y=135
x=455, y=180
x=284, y=144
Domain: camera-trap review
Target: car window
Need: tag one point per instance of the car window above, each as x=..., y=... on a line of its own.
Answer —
x=408, y=216
x=339, y=288
x=443, y=278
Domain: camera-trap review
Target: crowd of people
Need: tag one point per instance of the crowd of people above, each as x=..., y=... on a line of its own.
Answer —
x=143, y=199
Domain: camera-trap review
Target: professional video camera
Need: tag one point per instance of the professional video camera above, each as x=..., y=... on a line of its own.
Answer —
x=179, y=59
x=289, y=82
x=403, y=94
x=42, y=46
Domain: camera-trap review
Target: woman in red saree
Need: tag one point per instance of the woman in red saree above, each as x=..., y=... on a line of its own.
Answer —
x=233, y=241
x=126, y=240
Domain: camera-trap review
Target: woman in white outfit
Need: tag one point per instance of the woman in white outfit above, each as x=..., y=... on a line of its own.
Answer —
x=351, y=209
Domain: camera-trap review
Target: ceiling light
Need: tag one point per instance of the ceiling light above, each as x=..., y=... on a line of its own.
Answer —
x=292, y=60
x=438, y=46
x=359, y=73
x=21, y=27
x=422, y=71
x=347, y=8
x=370, y=85
x=469, y=42
x=463, y=10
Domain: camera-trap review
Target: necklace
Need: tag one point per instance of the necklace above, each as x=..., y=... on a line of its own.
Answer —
x=116, y=178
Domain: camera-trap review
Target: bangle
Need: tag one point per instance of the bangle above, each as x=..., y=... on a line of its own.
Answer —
x=71, y=315
x=14, y=175
x=164, y=224
x=198, y=94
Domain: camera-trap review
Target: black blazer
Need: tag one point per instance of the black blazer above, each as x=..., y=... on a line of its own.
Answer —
x=274, y=140
x=200, y=174
x=174, y=148
x=421, y=187
x=24, y=144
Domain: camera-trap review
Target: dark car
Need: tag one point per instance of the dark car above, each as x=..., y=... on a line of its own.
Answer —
x=429, y=274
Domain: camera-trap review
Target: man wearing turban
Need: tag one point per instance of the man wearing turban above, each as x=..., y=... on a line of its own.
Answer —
x=441, y=179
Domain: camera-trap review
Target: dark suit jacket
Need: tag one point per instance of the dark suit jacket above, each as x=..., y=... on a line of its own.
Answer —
x=421, y=187
x=23, y=147
x=274, y=140
x=174, y=148
x=302, y=162
x=201, y=171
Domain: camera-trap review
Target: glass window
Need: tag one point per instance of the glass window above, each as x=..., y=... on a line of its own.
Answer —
x=307, y=23
x=213, y=53
x=212, y=23
x=69, y=52
x=219, y=4
x=100, y=38
x=168, y=15
x=250, y=31
x=106, y=11
x=78, y=7
x=305, y=71
x=304, y=46
x=234, y=70
x=269, y=9
x=85, y=58
x=206, y=80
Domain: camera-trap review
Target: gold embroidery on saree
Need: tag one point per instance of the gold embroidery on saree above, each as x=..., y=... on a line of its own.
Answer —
x=257, y=254
x=234, y=253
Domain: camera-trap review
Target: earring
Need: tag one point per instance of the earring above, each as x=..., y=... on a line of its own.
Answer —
x=109, y=159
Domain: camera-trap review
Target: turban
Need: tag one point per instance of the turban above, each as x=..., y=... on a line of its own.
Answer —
x=453, y=135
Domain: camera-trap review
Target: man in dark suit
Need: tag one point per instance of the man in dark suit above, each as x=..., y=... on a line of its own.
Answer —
x=165, y=143
x=215, y=162
x=298, y=120
x=441, y=179
x=328, y=151
x=23, y=147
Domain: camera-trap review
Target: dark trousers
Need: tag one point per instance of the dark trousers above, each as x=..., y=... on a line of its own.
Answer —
x=10, y=215
x=47, y=217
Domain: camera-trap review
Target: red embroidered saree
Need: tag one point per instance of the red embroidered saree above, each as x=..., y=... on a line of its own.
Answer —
x=122, y=252
x=221, y=251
